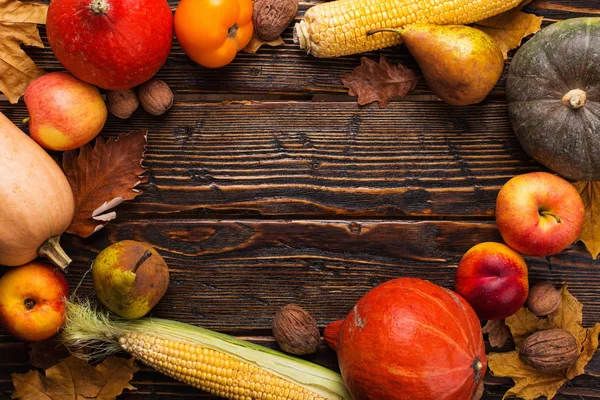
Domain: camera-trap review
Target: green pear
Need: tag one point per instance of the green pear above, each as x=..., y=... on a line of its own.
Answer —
x=460, y=64
x=130, y=278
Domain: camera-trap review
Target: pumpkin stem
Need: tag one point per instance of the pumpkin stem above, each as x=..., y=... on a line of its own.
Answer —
x=99, y=6
x=545, y=213
x=574, y=99
x=51, y=249
x=381, y=30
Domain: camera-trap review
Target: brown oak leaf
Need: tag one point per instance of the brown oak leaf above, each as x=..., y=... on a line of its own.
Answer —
x=590, y=234
x=256, y=43
x=509, y=28
x=381, y=82
x=103, y=177
x=498, y=332
x=18, y=26
x=74, y=379
x=531, y=384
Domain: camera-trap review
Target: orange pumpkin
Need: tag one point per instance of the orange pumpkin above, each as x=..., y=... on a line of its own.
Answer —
x=409, y=339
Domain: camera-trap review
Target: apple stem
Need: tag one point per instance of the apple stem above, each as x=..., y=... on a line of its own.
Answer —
x=381, y=30
x=51, y=249
x=26, y=120
x=544, y=213
x=143, y=258
x=29, y=303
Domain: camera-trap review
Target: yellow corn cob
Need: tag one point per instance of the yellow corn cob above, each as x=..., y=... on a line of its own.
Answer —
x=211, y=361
x=340, y=27
x=210, y=370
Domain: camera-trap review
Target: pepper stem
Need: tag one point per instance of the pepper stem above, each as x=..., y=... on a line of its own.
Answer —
x=232, y=33
x=99, y=6
x=381, y=30
x=575, y=99
x=51, y=249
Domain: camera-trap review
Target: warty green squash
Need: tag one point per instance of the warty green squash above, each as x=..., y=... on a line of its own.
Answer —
x=36, y=200
x=553, y=93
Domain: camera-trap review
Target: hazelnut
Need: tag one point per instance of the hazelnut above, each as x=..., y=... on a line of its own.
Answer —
x=156, y=97
x=543, y=299
x=271, y=17
x=549, y=350
x=122, y=103
x=296, y=331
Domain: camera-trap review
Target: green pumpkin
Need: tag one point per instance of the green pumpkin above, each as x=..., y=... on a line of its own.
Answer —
x=553, y=93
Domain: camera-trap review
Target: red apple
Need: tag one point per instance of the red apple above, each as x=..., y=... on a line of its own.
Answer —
x=31, y=301
x=539, y=214
x=65, y=113
x=493, y=279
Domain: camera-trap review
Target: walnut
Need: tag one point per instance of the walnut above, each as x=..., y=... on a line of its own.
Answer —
x=122, y=103
x=271, y=17
x=156, y=97
x=543, y=299
x=296, y=331
x=550, y=350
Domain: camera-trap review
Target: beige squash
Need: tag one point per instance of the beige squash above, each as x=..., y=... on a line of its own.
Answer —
x=36, y=200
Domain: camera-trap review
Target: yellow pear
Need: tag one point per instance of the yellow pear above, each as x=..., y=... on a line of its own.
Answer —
x=460, y=64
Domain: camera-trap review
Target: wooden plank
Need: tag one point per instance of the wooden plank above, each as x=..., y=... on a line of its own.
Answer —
x=221, y=267
x=321, y=160
x=288, y=70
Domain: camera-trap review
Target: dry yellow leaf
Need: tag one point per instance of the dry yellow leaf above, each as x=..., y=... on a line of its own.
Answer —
x=256, y=43
x=509, y=28
x=590, y=234
x=497, y=331
x=75, y=379
x=529, y=383
x=18, y=25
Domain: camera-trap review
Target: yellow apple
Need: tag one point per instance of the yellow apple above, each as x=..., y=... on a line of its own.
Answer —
x=32, y=304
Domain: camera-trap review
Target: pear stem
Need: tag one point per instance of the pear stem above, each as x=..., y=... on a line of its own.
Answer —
x=143, y=258
x=381, y=30
x=51, y=249
x=545, y=213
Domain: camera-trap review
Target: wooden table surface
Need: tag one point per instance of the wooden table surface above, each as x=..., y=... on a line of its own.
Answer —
x=268, y=185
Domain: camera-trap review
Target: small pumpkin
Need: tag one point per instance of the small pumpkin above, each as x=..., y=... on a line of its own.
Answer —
x=553, y=93
x=37, y=201
x=112, y=44
x=410, y=339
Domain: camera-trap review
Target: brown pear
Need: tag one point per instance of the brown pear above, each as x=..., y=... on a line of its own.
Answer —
x=460, y=64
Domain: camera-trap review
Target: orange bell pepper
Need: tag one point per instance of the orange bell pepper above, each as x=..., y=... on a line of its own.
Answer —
x=211, y=32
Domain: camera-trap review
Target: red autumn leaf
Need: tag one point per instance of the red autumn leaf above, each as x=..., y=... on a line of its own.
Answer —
x=103, y=177
x=382, y=82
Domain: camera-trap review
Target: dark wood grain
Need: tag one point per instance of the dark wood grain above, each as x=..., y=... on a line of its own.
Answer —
x=288, y=71
x=263, y=201
x=292, y=159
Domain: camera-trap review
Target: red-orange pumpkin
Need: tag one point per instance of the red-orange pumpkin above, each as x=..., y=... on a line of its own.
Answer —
x=410, y=339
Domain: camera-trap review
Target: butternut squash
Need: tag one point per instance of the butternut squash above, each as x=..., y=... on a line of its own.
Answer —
x=36, y=198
